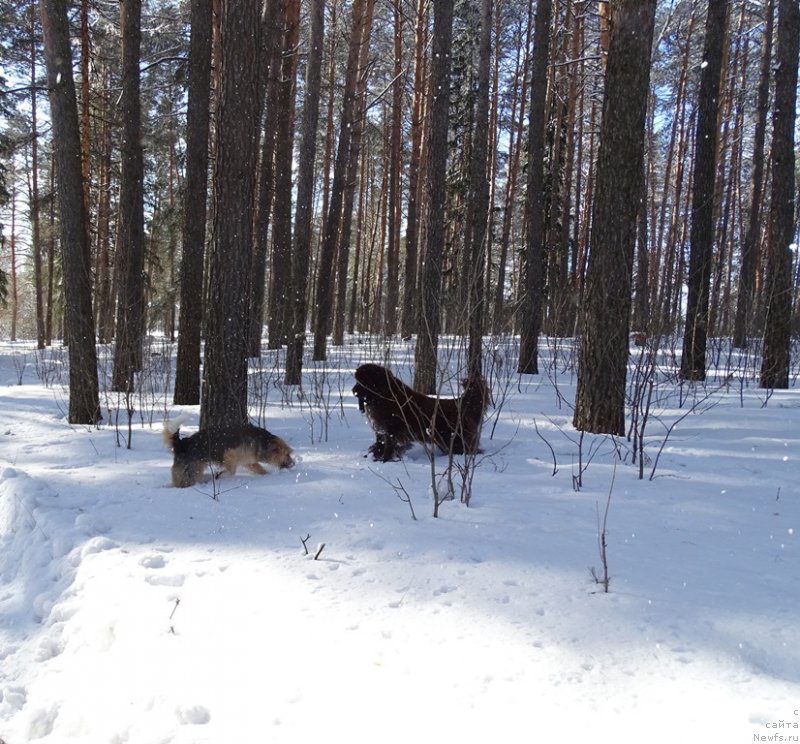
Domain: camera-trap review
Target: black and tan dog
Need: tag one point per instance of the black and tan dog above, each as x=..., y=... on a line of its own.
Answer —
x=400, y=415
x=226, y=446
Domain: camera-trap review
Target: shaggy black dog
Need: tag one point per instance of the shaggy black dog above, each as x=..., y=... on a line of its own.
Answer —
x=399, y=415
x=227, y=446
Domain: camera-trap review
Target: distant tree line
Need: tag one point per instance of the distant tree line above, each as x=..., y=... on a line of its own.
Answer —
x=287, y=172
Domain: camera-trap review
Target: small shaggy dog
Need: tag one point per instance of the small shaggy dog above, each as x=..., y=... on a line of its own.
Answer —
x=399, y=415
x=227, y=446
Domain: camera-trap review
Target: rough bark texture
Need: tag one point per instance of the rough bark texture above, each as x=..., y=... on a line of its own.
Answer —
x=130, y=247
x=747, y=271
x=425, y=356
x=301, y=257
x=777, y=331
x=605, y=315
x=530, y=320
x=281, y=264
x=84, y=403
x=187, y=373
x=478, y=215
x=224, y=394
x=701, y=236
x=325, y=269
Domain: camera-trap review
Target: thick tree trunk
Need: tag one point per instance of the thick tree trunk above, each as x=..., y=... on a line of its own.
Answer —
x=478, y=210
x=224, y=393
x=410, y=290
x=130, y=249
x=605, y=315
x=36, y=242
x=747, y=270
x=530, y=320
x=777, y=332
x=426, y=351
x=301, y=258
x=281, y=274
x=187, y=373
x=693, y=359
x=84, y=403
x=325, y=270
x=395, y=166
x=269, y=88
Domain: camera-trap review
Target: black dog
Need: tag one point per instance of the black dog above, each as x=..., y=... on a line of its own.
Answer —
x=227, y=446
x=399, y=415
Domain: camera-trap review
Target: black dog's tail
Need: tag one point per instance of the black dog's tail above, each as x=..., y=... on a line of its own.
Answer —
x=171, y=434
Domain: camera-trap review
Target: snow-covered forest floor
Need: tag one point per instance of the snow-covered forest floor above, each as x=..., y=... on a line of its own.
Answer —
x=131, y=611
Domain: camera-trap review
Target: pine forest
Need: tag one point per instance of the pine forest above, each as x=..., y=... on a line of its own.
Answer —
x=239, y=178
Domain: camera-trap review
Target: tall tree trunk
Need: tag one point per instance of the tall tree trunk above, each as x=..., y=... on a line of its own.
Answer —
x=84, y=401
x=301, y=256
x=519, y=97
x=51, y=256
x=693, y=360
x=351, y=179
x=395, y=166
x=104, y=311
x=325, y=269
x=36, y=242
x=533, y=268
x=777, y=331
x=224, y=392
x=747, y=271
x=13, y=251
x=410, y=288
x=85, y=105
x=187, y=373
x=605, y=315
x=269, y=87
x=478, y=207
x=130, y=249
x=281, y=273
x=426, y=351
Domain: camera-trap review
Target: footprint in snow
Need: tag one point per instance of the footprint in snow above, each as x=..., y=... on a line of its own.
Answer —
x=97, y=545
x=171, y=580
x=153, y=561
x=193, y=714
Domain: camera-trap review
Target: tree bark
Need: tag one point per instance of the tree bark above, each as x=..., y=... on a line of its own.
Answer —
x=395, y=166
x=325, y=270
x=36, y=242
x=187, y=373
x=224, y=393
x=281, y=274
x=530, y=320
x=478, y=207
x=605, y=315
x=777, y=332
x=410, y=290
x=426, y=351
x=84, y=403
x=269, y=87
x=701, y=237
x=747, y=271
x=130, y=249
x=301, y=257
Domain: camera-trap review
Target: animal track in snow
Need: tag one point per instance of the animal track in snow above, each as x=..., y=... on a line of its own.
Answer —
x=193, y=714
x=153, y=561
x=169, y=580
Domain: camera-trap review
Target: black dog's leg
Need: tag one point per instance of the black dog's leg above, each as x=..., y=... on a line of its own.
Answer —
x=376, y=448
x=388, y=449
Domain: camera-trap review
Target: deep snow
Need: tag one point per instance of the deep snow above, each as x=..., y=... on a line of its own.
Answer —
x=131, y=611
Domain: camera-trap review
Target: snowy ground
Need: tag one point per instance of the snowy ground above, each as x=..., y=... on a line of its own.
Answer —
x=131, y=611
